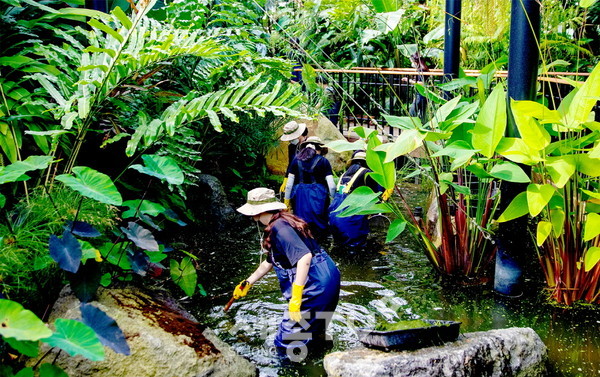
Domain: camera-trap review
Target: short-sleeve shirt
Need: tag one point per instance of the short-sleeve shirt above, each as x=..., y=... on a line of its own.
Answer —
x=321, y=169
x=287, y=245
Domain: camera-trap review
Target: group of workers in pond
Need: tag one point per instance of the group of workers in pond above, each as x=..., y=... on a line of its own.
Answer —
x=308, y=277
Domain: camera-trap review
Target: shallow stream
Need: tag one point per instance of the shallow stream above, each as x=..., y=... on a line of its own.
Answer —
x=398, y=283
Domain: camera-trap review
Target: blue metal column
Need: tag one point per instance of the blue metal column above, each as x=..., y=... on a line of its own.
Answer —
x=452, y=39
x=100, y=5
x=523, y=57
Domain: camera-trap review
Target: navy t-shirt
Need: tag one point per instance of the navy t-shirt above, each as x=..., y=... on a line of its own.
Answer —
x=321, y=170
x=287, y=245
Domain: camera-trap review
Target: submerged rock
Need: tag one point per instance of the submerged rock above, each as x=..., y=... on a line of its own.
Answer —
x=164, y=339
x=507, y=352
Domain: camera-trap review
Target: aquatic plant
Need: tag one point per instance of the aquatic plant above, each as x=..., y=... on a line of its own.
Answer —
x=561, y=147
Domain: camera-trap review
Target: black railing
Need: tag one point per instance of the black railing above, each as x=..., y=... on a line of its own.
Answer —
x=369, y=93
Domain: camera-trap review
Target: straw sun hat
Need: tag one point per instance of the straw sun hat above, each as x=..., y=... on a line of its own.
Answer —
x=292, y=130
x=260, y=200
x=313, y=140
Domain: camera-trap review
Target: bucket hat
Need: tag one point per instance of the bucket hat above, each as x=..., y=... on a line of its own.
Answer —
x=292, y=130
x=260, y=200
x=313, y=140
x=359, y=155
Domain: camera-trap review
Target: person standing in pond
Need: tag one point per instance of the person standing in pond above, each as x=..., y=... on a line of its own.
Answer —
x=351, y=232
x=310, y=186
x=295, y=133
x=308, y=277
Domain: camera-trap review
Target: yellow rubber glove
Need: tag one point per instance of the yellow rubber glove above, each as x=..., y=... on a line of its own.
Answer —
x=296, y=302
x=241, y=289
x=386, y=194
x=288, y=203
x=282, y=188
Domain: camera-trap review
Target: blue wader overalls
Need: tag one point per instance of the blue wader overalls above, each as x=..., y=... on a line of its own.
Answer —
x=349, y=231
x=319, y=300
x=310, y=199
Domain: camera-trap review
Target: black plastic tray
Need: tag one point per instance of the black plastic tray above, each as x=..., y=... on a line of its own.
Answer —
x=440, y=332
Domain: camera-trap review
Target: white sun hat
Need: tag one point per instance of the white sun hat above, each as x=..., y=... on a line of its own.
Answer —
x=292, y=130
x=260, y=200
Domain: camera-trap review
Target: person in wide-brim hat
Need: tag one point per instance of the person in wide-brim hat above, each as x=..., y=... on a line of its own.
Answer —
x=292, y=130
x=298, y=260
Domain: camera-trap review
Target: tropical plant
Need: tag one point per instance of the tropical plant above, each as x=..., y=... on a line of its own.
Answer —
x=561, y=147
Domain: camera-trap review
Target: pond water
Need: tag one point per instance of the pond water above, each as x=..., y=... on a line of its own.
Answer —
x=397, y=283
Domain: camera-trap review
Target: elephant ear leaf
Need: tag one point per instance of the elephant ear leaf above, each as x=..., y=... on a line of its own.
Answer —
x=92, y=184
x=82, y=229
x=26, y=347
x=161, y=167
x=141, y=236
x=49, y=370
x=66, y=251
x=184, y=275
x=76, y=338
x=15, y=171
x=19, y=323
x=106, y=328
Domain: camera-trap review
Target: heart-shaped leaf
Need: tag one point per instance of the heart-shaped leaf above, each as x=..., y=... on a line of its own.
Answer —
x=162, y=167
x=538, y=196
x=14, y=171
x=141, y=236
x=19, y=323
x=76, y=338
x=26, y=347
x=592, y=226
x=396, y=228
x=592, y=257
x=138, y=207
x=509, y=171
x=105, y=327
x=139, y=262
x=517, y=208
x=66, y=251
x=116, y=254
x=82, y=229
x=184, y=275
x=92, y=184
x=49, y=370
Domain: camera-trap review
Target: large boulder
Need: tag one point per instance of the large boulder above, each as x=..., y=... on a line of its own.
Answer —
x=502, y=353
x=164, y=340
x=277, y=157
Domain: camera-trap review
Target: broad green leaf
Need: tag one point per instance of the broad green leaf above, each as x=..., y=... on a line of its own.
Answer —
x=383, y=173
x=532, y=133
x=536, y=110
x=509, y=171
x=26, y=347
x=396, y=228
x=586, y=3
x=363, y=132
x=344, y=146
x=115, y=254
x=479, y=171
x=25, y=372
x=92, y=184
x=406, y=123
x=138, y=207
x=557, y=217
x=184, y=274
x=588, y=166
x=595, y=153
x=560, y=169
x=408, y=141
x=591, y=258
x=517, y=208
x=544, y=228
x=362, y=201
x=19, y=323
x=460, y=152
x=162, y=167
x=592, y=226
x=584, y=100
x=76, y=338
x=538, y=197
x=14, y=171
x=491, y=123
x=50, y=370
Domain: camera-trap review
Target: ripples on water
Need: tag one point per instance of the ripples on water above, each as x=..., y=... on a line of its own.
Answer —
x=399, y=284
